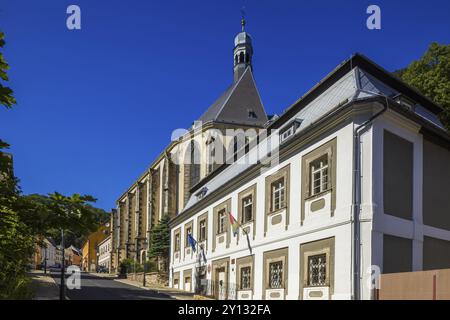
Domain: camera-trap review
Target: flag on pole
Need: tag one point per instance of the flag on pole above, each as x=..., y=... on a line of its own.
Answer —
x=248, y=241
x=192, y=242
x=203, y=254
x=234, y=224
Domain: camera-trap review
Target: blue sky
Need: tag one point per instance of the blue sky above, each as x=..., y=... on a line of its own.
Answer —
x=97, y=105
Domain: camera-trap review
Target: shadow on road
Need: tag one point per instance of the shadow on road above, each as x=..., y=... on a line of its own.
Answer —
x=105, y=288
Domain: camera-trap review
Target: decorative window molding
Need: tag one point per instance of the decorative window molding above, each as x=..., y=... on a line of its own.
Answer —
x=283, y=197
x=224, y=207
x=245, y=268
x=318, y=175
x=244, y=213
x=177, y=240
x=317, y=264
x=276, y=270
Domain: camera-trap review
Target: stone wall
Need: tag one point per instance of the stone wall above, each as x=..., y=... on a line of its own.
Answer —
x=151, y=278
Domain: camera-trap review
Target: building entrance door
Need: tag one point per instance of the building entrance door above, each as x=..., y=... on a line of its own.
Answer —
x=221, y=284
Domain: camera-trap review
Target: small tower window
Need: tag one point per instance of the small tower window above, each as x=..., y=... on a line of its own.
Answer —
x=247, y=58
x=236, y=59
x=241, y=57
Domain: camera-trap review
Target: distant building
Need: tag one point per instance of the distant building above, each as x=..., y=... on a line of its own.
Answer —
x=45, y=254
x=72, y=256
x=104, y=254
x=58, y=256
x=89, y=250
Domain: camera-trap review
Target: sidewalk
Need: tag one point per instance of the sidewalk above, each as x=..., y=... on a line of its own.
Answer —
x=44, y=286
x=174, y=293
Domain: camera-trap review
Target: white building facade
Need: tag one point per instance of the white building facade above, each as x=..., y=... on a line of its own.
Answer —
x=104, y=253
x=356, y=183
x=48, y=253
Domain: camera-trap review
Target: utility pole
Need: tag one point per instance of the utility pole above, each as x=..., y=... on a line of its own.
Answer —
x=62, y=284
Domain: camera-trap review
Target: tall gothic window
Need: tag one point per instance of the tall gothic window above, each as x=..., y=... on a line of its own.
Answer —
x=195, y=163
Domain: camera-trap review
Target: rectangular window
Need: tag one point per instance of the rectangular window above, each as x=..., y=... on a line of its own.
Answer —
x=278, y=194
x=276, y=275
x=177, y=242
x=247, y=209
x=221, y=221
x=319, y=175
x=287, y=133
x=317, y=270
x=188, y=232
x=246, y=278
x=202, y=232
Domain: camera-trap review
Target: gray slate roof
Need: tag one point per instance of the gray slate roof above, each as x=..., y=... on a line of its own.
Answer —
x=234, y=104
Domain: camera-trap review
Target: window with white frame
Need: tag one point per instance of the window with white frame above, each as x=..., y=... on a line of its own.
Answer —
x=202, y=230
x=317, y=270
x=221, y=216
x=246, y=278
x=276, y=275
x=188, y=232
x=247, y=209
x=319, y=175
x=177, y=242
x=278, y=194
x=287, y=133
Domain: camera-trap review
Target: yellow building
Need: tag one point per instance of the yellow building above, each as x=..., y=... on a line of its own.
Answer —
x=89, y=249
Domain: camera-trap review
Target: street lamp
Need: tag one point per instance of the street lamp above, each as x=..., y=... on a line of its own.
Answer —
x=62, y=284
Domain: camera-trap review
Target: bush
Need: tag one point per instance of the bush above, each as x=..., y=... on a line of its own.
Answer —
x=151, y=266
x=130, y=266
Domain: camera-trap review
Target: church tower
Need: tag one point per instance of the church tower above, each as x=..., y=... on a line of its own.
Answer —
x=242, y=53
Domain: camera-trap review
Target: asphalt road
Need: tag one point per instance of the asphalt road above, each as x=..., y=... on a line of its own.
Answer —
x=102, y=288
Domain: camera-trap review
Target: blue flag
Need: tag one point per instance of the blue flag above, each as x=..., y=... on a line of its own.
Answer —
x=192, y=242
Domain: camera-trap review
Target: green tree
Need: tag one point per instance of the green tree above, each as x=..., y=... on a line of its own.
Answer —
x=159, y=244
x=431, y=76
x=6, y=94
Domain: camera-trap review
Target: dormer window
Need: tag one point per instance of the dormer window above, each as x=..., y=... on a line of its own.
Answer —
x=289, y=129
x=202, y=193
x=405, y=102
x=252, y=114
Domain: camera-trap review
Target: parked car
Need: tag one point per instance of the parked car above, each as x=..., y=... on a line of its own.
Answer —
x=102, y=269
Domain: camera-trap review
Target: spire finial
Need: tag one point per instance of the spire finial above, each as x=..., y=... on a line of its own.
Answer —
x=243, y=18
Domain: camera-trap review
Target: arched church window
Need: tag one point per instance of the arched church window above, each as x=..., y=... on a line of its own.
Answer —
x=241, y=57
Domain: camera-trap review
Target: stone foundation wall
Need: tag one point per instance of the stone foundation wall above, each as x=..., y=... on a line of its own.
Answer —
x=151, y=278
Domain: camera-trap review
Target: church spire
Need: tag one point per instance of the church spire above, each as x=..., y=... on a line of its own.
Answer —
x=243, y=51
